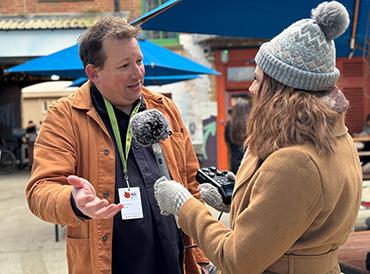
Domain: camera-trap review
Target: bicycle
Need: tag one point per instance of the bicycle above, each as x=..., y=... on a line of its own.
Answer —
x=7, y=161
x=12, y=156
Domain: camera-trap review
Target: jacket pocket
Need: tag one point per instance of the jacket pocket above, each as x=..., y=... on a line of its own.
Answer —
x=78, y=256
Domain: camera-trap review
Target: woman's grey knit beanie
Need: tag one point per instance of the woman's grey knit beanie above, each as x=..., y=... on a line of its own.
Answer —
x=303, y=55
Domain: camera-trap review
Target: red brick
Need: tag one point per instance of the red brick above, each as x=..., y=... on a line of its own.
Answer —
x=21, y=7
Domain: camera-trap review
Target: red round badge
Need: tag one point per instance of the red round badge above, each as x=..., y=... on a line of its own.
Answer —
x=127, y=194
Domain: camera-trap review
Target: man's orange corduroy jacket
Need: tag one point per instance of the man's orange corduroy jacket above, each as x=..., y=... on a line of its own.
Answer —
x=74, y=140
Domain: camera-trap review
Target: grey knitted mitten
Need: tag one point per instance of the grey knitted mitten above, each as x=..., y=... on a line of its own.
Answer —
x=170, y=196
x=213, y=198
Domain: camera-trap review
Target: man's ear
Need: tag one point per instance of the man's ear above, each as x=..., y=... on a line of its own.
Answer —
x=92, y=73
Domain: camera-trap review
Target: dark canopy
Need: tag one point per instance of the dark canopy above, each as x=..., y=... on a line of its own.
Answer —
x=249, y=18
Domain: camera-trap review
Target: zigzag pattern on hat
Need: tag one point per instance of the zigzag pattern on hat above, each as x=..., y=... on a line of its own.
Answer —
x=303, y=55
x=309, y=40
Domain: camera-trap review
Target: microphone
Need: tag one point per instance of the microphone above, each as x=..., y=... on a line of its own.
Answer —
x=148, y=128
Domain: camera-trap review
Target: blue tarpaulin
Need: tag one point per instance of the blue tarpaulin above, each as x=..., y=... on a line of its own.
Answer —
x=250, y=19
x=158, y=61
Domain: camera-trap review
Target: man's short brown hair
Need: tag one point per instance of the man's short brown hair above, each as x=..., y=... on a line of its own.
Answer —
x=91, y=41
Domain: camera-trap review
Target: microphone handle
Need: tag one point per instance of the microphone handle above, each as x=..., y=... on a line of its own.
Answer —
x=163, y=170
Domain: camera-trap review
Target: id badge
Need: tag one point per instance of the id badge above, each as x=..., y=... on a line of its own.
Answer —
x=131, y=200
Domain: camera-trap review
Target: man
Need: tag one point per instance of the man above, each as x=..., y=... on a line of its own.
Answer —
x=31, y=133
x=87, y=167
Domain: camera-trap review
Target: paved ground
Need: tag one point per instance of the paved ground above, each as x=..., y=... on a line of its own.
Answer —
x=28, y=245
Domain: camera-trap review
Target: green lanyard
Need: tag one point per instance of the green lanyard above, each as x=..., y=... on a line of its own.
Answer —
x=117, y=136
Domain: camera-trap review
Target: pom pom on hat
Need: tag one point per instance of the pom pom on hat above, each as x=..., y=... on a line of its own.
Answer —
x=303, y=55
x=332, y=17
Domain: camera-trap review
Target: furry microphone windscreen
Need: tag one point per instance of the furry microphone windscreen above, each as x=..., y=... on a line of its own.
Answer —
x=149, y=127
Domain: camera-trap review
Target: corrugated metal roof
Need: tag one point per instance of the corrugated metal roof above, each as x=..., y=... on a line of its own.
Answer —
x=35, y=22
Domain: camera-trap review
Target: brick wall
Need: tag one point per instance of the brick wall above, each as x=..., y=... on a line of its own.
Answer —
x=21, y=7
x=133, y=6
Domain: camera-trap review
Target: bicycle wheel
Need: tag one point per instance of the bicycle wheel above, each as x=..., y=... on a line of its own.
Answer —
x=7, y=162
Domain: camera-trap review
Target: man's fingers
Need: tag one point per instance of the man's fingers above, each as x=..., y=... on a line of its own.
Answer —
x=95, y=205
x=82, y=199
x=78, y=183
x=114, y=211
x=108, y=211
x=75, y=181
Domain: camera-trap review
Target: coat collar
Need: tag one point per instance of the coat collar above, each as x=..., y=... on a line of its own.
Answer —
x=82, y=98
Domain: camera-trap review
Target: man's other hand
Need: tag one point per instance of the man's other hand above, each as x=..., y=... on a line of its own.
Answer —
x=88, y=203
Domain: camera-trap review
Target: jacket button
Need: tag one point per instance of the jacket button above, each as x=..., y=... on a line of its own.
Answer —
x=104, y=237
x=106, y=152
x=105, y=195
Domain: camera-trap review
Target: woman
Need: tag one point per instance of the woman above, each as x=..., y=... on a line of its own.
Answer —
x=235, y=132
x=298, y=188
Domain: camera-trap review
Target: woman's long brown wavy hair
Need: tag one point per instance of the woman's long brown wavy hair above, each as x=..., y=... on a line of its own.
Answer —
x=282, y=116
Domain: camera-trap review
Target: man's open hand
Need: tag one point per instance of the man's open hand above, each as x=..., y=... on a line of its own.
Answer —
x=88, y=203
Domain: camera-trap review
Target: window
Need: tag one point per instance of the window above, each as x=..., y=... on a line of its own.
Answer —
x=240, y=74
x=45, y=105
x=161, y=38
